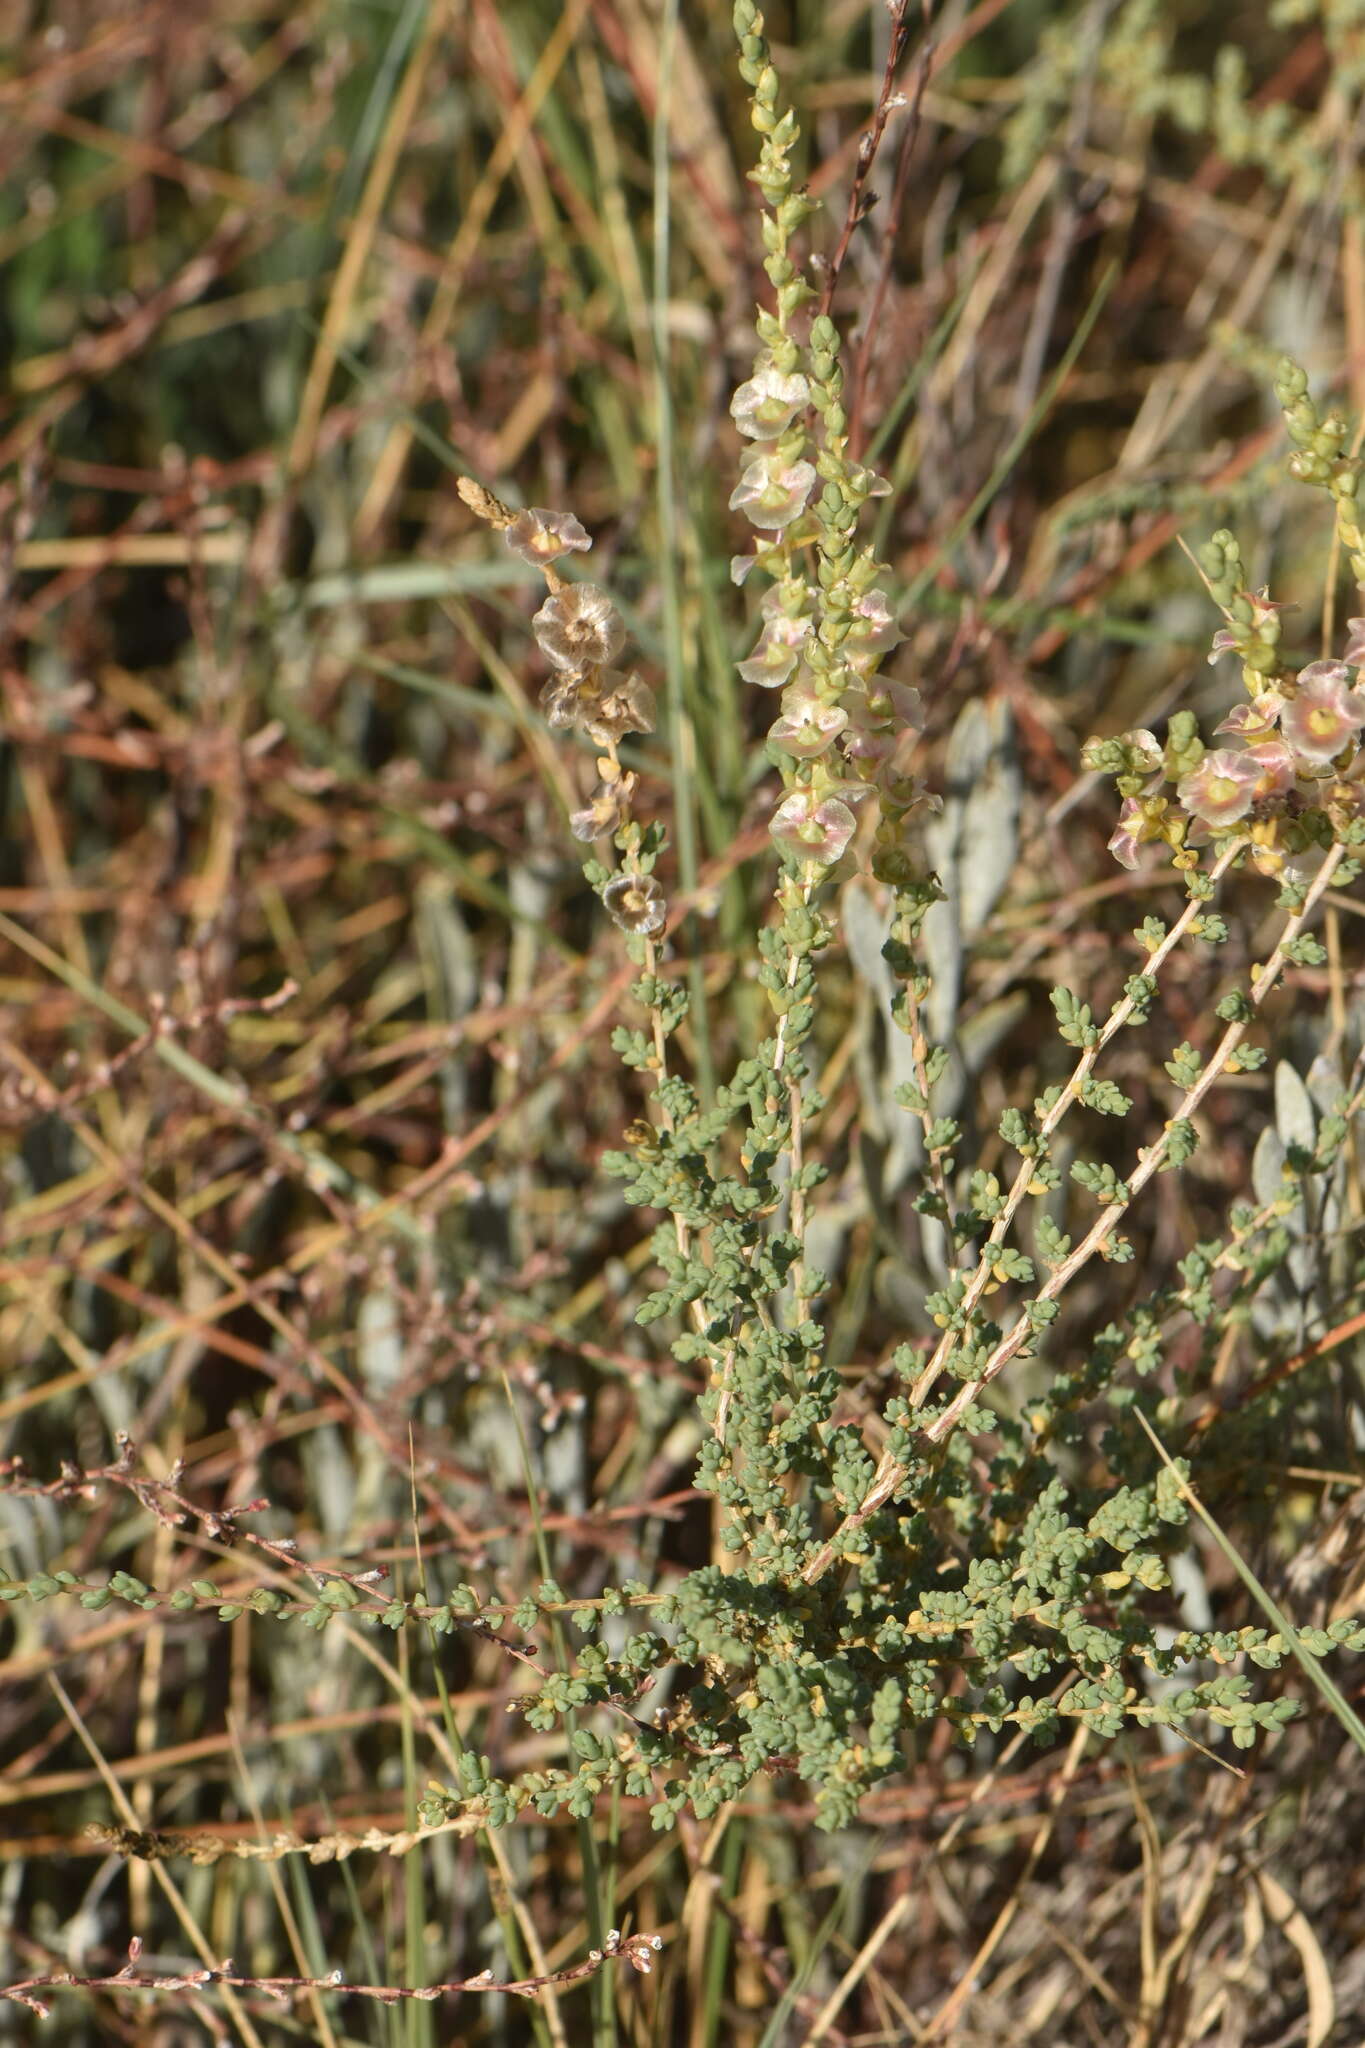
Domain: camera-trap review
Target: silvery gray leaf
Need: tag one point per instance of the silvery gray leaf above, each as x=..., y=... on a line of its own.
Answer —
x=866, y=927
x=1325, y=1083
x=379, y=1340
x=1294, y=1117
x=972, y=844
x=943, y=952
x=990, y=840
x=1267, y=1166
x=882, y=1059
x=331, y=1478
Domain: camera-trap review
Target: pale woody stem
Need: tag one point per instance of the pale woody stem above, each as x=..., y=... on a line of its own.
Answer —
x=1085, y=1066
x=890, y=1473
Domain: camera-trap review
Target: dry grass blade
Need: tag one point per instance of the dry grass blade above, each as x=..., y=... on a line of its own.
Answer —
x=1296, y=1928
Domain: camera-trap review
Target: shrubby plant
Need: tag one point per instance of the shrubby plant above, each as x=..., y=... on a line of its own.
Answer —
x=921, y=1547
x=929, y=1558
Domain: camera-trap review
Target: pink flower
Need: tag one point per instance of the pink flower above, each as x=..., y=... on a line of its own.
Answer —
x=579, y=627
x=777, y=649
x=814, y=830
x=902, y=791
x=868, y=743
x=539, y=536
x=1325, y=715
x=1227, y=640
x=807, y=727
x=1274, y=764
x=1324, y=672
x=1254, y=721
x=1139, y=821
x=879, y=711
x=883, y=701
x=772, y=493
x=1355, y=643
x=766, y=406
x=872, y=633
x=1221, y=789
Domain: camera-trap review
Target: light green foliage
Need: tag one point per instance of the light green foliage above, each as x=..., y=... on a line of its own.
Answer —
x=1137, y=68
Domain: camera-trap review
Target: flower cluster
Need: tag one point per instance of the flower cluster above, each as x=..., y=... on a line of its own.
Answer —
x=1293, y=779
x=582, y=636
x=841, y=734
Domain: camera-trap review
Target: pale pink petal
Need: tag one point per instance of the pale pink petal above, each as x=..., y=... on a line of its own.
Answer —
x=808, y=830
x=776, y=652
x=1221, y=789
x=1325, y=715
x=1256, y=720
x=772, y=494
x=1274, y=763
x=807, y=728
x=766, y=406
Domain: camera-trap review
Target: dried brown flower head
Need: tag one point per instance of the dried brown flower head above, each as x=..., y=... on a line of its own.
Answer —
x=636, y=903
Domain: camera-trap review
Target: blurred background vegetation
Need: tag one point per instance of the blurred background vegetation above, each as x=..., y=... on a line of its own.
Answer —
x=304, y=1054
